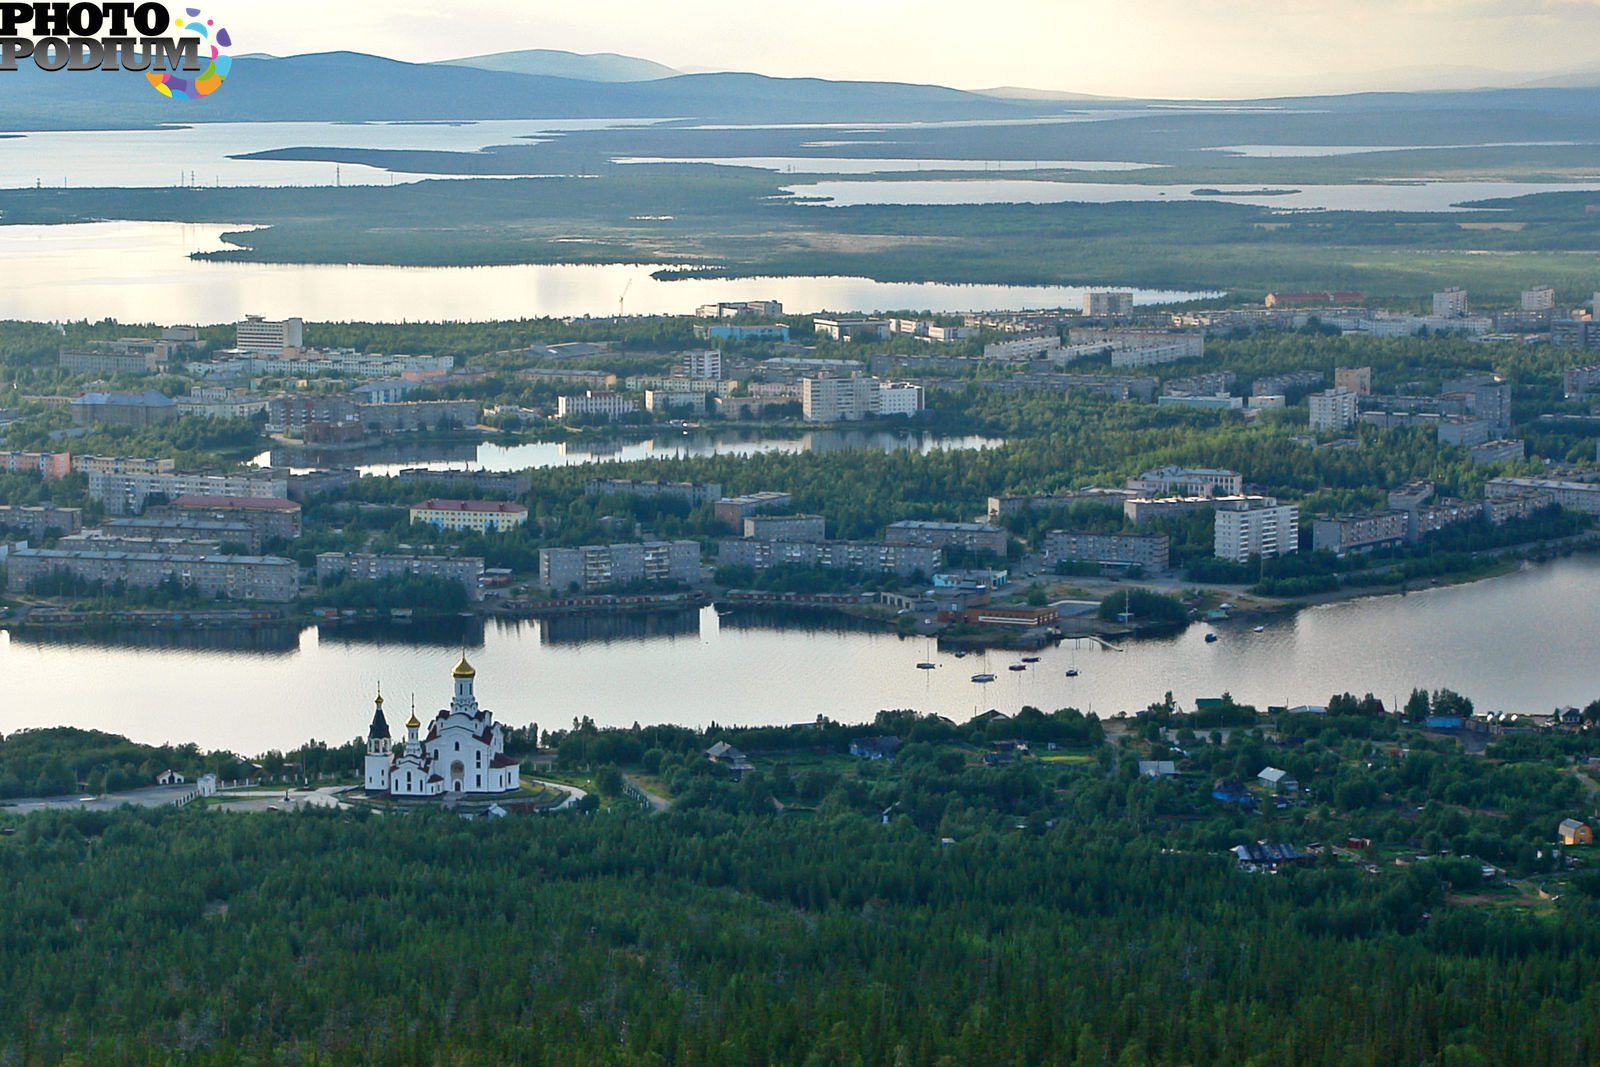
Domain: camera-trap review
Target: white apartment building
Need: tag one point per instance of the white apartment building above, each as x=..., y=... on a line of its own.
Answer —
x=256, y=334
x=1114, y=302
x=838, y=399
x=1249, y=526
x=1539, y=298
x=1023, y=348
x=1450, y=304
x=703, y=364
x=1333, y=409
x=610, y=405
x=899, y=398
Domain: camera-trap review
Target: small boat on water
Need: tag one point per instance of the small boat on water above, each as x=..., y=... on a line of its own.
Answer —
x=983, y=677
x=1030, y=659
x=926, y=666
x=1017, y=667
x=1257, y=629
x=1072, y=672
x=1210, y=638
x=960, y=655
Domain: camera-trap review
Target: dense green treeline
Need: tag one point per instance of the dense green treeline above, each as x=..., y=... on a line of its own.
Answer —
x=703, y=937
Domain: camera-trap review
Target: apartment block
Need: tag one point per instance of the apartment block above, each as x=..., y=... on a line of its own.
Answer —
x=47, y=465
x=599, y=566
x=1360, y=533
x=705, y=363
x=268, y=579
x=852, y=329
x=41, y=521
x=221, y=531
x=972, y=536
x=695, y=493
x=839, y=399
x=785, y=528
x=372, y=567
x=1357, y=380
x=610, y=406
x=129, y=355
x=876, y=557
x=1102, y=304
x=257, y=334
x=1333, y=410
x=733, y=510
x=126, y=493
x=1450, y=304
x=1579, y=496
x=1150, y=551
x=1500, y=451
x=480, y=516
x=1248, y=526
x=273, y=516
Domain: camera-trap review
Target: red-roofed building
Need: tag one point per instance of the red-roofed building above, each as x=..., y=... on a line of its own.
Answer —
x=479, y=515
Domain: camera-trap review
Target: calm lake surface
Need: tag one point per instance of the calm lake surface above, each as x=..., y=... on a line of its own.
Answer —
x=1396, y=196
x=1524, y=642
x=141, y=272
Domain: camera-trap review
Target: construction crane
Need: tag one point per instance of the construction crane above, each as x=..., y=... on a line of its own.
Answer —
x=623, y=297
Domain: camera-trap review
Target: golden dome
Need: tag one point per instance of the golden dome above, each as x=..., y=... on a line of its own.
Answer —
x=464, y=669
x=412, y=723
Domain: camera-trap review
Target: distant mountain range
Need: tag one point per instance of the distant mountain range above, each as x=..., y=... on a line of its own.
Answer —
x=550, y=62
x=355, y=87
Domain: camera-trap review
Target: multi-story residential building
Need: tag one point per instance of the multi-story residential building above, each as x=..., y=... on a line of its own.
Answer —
x=41, y=521
x=852, y=329
x=1284, y=384
x=1189, y=481
x=1190, y=345
x=1450, y=304
x=1000, y=506
x=1334, y=409
x=247, y=536
x=306, y=363
x=1580, y=380
x=275, y=517
x=384, y=391
x=1213, y=383
x=219, y=402
x=1579, y=496
x=610, y=406
x=731, y=309
x=129, y=355
x=126, y=493
x=696, y=493
x=972, y=536
x=733, y=510
x=292, y=414
x=691, y=386
x=1102, y=304
x=839, y=399
x=1140, y=509
x=411, y=415
x=736, y=331
x=257, y=334
x=1446, y=512
x=1357, y=380
x=47, y=465
x=1575, y=333
x=598, y=380
x=601, y=566
x=899, y=398
x=785, y=528
x=123, y=409
x=269, y=579
x=480, y=516
x=1150, y=551
x=92, y=465
x=506, y=483
x=658, y=401
x=870, y=556
x=1539, y=298
x=1248, y=526
x=1360, y=533
x=371, y=567
x=1153, y=355
x=1465, y=432
x=103, y=541
x=1023, y=349
x=702, y=364
x=1111, y=386
x=1488, y=396
x=1500, y=451
x=1514, y=505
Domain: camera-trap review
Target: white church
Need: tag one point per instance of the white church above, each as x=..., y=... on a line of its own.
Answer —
x=463, y=752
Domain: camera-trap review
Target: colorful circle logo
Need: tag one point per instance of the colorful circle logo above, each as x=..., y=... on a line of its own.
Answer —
x=173, y=84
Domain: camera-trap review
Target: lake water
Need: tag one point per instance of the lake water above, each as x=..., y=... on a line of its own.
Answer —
x=1388, y=196
x=141, y=272
x=1524, y=642
x=843, y=165
x=198, y=154
x=455, y=456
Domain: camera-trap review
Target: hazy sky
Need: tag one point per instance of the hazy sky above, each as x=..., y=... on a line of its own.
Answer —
x=1116, y=47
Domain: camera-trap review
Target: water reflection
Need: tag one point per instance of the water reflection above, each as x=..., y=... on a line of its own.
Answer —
x=141, y=272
